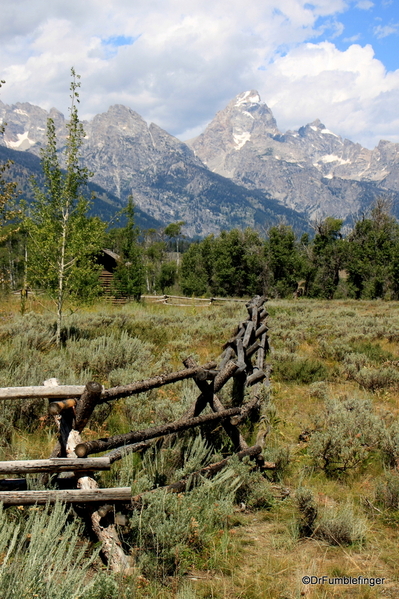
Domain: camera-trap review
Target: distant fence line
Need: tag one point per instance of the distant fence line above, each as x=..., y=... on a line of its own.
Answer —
x=167, y=300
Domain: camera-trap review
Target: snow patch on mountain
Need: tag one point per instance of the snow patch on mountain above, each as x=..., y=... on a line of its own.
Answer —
x=328, y=132
x=23, y=142
x=249, y=97
x=241, y=139
x=333, y=158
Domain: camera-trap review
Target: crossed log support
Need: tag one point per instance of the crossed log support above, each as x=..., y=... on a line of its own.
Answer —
x=243, y=359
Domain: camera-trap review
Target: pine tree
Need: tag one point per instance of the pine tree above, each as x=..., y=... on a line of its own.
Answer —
x=129, y=275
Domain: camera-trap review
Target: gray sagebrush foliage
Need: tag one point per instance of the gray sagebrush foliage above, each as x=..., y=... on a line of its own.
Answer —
x=172, y=528
x=43, y=555
x=346, y=432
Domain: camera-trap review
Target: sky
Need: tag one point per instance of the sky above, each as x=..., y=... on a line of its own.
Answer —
x=178, y=62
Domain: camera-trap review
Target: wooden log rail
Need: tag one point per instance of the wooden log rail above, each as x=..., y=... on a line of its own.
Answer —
x=209, y=300
x=121, y=494
x=62, y=392
x=54, y=465
x=84, y=449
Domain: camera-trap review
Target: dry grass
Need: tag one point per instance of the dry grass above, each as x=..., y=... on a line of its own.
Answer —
x=260, y=556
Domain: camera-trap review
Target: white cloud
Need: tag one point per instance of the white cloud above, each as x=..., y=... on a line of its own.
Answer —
x=382, y=31
x=346, y=90
x=365, y=4
x=188, y=58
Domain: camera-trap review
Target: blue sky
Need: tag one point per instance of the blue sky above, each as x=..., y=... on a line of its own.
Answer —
x=371, y=22
x=177, y=62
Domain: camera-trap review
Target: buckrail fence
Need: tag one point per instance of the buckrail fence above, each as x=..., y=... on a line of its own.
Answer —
x=71, y=407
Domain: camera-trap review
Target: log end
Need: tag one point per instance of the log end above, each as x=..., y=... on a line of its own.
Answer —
x=81, y=450
x=54, y=409
x=94, y=387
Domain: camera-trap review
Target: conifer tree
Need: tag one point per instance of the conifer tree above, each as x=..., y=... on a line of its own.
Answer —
x=129, y=274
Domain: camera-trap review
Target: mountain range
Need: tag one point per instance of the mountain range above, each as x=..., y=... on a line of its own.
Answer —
x=241, y=171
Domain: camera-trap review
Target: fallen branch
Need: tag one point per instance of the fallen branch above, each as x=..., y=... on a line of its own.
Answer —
x=207, y=471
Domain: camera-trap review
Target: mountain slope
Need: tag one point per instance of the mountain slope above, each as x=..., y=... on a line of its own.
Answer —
x=167, y=181
x=311, y=170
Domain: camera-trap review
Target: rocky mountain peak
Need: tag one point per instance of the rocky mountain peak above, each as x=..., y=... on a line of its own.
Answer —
x=247, y=98
x=246, y=121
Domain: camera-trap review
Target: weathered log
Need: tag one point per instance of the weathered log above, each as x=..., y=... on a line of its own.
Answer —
x=207, y=471
x=57, y=392
x=257, y=301
x=261, y=354
x=240, y=357
x=259, y=331
x=224, y=375
x=248, y=333
x=153, y=383
x=54, y=465
x=87, y=403
x=56, y=407
x=226, y=355
x=200, y=403
x=252, y=349
x=247, y=408
x=217, y=406
x=236, y=437
x=68, y=495
x=256, y=377
x=111, y=546
x=121, y=452
x=238, y=335
x=84, y=449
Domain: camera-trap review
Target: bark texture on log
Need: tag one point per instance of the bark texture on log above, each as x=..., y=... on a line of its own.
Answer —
x=86, y=404
x=216, y=405
x=153, y=383
x=84, y=449
x=54, y=465
x=68, y=495
x=111, y=546
x=58, y=392
x=121, y=452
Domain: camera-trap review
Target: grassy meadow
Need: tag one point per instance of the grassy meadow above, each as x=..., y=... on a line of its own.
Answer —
x=331, y=508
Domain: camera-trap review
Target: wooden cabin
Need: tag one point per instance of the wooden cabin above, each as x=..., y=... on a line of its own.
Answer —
x=109, y=261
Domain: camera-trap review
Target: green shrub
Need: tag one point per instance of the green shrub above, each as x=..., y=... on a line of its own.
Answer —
x=255, y=490
x=374, y=379
x=341, y=526
x=108, y=353
x=42, y=555
x=300, y=370
x=103, y=587
x=173, y=529
x=345, y=435
x=307, y=512
x=390, y=444
x=387, y=491
x=373, y=351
